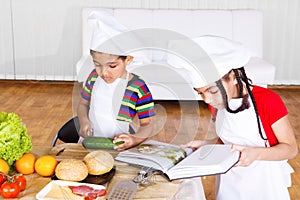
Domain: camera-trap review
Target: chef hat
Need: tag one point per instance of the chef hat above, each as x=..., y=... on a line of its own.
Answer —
x=224, y=53
x=207, y=58
x=112, y=37
x=104, y=29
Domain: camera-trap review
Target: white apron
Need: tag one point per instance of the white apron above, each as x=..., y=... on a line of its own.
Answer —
x=262, y=179
x=104, y=107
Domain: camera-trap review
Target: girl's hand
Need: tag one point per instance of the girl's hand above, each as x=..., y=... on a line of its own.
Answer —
x=248, y=154
x=195, y=144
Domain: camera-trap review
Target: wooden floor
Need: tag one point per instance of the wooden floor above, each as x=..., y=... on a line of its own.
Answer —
x=45, y=106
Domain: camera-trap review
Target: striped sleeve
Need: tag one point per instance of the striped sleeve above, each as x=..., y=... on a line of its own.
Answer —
x=137, y=100
x=89, y=84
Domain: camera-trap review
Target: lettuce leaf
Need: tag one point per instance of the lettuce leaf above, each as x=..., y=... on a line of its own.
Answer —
x=14, y=140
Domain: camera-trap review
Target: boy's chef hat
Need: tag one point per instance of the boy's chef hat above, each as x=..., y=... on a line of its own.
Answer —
x=104, y=29
x=111, y=37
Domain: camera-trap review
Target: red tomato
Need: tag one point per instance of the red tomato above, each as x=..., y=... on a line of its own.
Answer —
x=10, y=189
x=3, y=178
x=21, y=180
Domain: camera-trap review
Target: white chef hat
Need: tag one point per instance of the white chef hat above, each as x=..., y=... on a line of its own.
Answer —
x=105, y=28
x=211, y=57
x=112, y=37
x=225, y=55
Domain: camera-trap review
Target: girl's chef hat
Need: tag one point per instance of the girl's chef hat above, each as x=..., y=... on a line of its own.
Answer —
x=216, y=56
x=225, y=55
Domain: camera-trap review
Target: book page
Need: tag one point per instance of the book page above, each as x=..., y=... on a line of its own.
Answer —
x=158, y=155
x=207, y=160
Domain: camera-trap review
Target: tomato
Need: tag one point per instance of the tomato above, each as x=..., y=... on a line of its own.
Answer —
x=21, y=180
x=10, y=189
x=3, y=178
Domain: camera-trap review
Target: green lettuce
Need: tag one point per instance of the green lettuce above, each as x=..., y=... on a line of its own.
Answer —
x=14, y=140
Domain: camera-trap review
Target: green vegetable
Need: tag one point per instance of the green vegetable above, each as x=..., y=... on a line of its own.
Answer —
x=99, y=143
x=14, y=140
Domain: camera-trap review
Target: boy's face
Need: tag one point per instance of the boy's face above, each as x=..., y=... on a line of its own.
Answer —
x=110, y=67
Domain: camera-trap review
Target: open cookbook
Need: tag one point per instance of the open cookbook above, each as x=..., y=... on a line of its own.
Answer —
x=177, y=163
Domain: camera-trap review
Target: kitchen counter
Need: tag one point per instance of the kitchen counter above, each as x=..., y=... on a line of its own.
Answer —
x=162, y=189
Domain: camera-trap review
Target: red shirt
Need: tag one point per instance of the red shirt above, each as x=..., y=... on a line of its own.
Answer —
x=270, y=109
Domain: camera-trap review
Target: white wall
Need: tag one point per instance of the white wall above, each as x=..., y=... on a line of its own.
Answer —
x=6, y=42
x=41, y=39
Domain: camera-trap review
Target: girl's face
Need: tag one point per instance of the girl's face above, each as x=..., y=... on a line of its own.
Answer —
x=110, y=67
x=212, y=95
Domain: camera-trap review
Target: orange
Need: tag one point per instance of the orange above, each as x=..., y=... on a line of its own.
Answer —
x=45, y=165
x=4, y=167
x=25, y=165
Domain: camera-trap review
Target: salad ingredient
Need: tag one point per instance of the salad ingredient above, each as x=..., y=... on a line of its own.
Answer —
x=9, y=189
x=45, y=165
x=3, y=178
x=99, y=143
x=25, y=165
x=21, y=180
x=14, y=140
x=4, y=167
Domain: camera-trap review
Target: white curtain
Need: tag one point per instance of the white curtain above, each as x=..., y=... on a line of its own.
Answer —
x=41, y=39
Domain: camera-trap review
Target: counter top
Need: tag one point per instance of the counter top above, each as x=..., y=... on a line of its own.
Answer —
x=162, y=189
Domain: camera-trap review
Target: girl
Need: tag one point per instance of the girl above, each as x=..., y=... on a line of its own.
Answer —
x=251, y=118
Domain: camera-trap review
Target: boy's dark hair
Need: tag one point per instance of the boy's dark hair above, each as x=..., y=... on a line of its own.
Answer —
x=121, y=57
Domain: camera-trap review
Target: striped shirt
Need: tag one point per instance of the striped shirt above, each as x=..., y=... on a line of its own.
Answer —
x=136, y=100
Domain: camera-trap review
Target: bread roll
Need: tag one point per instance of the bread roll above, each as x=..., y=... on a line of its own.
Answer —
x=98, y=162
x=71, y=170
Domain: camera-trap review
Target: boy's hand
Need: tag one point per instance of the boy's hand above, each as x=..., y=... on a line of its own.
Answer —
x=86, y=130
x=129, y=141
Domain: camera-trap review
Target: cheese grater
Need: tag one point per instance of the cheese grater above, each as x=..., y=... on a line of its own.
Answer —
x=125, y=190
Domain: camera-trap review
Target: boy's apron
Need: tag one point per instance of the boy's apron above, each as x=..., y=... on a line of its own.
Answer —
x=105, y=104
x=262, y=179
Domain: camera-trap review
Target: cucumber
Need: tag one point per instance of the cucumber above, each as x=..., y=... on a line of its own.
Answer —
x=99, y=143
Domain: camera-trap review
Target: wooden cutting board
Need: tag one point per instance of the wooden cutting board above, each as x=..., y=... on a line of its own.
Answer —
x=73, y=150
x=68, y=150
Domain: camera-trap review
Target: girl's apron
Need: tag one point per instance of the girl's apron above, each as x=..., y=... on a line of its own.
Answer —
x=104, y=107
x=262, y=179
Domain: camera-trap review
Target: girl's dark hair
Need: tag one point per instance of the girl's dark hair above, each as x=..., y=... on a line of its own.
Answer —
x=241, y=77
x=245, y=103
